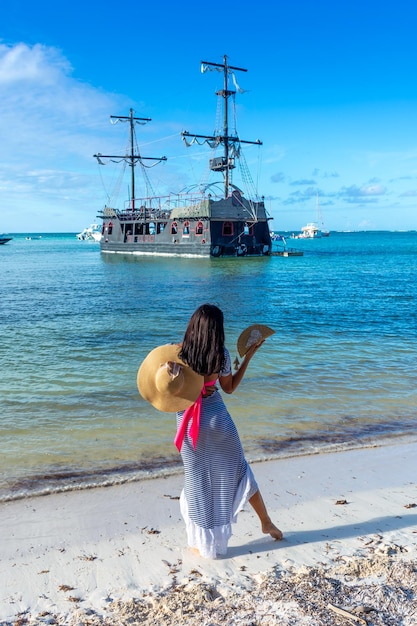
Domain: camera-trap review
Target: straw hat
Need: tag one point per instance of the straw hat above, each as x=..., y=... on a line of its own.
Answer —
x=167, y=382
x=251, y=335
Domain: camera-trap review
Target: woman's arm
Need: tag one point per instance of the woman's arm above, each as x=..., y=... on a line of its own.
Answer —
x=230, y=382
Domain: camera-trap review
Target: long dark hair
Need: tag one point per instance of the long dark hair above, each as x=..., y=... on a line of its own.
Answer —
x=203, y=343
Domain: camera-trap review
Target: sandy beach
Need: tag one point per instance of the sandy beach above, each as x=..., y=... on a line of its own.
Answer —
x=118, y=555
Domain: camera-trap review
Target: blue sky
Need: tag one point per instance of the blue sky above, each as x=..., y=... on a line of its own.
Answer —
x=331, y=91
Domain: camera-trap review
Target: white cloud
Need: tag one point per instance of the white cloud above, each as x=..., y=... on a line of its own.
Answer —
x=366, y=190
x=36, y=65
x=52, y=125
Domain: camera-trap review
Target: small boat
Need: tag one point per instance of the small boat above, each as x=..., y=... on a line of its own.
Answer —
x=4, y=239
x=312, y=230
x=91, y=233
x=216, y=221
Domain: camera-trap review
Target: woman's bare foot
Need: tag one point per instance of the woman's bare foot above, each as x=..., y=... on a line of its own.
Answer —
x=267, y=526
x=270, y=529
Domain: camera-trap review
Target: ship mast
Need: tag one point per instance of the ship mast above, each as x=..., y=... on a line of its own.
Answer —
x=132, y=159
x=225, y=164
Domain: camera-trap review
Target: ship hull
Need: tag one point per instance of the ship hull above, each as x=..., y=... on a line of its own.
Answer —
x=154, y=248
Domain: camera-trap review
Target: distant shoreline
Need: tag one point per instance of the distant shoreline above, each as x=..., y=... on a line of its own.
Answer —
x=286, y=232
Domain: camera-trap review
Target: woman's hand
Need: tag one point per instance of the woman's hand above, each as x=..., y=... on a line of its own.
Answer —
x=252, y=349
x=209, y=391
x=230, y=382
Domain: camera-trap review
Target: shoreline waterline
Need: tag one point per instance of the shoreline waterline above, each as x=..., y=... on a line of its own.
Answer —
x=116, y=478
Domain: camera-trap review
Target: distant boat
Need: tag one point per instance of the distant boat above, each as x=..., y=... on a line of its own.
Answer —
x=91, y=233
x=312, y=230
x=202, y=223
x=323, y=230
x=4, y=239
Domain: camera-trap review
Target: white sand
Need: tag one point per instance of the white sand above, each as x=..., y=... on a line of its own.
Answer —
x=71, y=557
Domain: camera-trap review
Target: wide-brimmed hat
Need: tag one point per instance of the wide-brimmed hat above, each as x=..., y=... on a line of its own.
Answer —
x=167, y=382
x=251, y=335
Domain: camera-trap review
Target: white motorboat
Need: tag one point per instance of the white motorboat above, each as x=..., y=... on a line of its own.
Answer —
x=91, y=233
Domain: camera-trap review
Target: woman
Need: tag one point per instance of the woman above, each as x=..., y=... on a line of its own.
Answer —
x=218, y=479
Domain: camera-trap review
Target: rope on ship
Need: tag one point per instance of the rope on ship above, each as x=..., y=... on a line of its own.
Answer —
x=112, y=198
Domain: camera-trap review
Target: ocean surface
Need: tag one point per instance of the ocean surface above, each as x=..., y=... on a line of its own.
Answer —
x=340, y=370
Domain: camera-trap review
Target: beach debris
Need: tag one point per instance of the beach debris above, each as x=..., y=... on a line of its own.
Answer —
x=412, y=505
x=343, y=501
x=166, y=495
x=65, y=588
x=389, y=549
x=151, y=531
x=350, y=615
x=195, y=572
x=74, y=599
x=47, y=618
x=363, y=609
x=286, y=596
x=173, y=568
x=329, y=547
x=87, y=557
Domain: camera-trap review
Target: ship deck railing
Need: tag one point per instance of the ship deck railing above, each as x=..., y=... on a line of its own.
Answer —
x=159, y=207
x=164, y=203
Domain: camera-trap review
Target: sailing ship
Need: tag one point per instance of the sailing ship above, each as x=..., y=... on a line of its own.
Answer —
x=323, y=231
x=191, y=224
x=312, y=230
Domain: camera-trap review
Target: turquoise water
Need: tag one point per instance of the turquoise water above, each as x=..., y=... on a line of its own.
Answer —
x=341, y=369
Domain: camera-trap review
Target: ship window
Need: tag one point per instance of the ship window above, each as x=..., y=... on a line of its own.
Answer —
x=199, y=228
x=161, y=227
x=152, y=228
x=186, y=230
x=248, y=229
x=110, y=230
x=174, y=228
x=227, y=229
x=103, y=228
x=138, y=228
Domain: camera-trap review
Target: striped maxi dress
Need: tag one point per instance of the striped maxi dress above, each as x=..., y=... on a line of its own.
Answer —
x=218, y=481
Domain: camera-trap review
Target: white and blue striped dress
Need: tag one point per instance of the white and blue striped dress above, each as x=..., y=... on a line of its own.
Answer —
x=218, y=479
